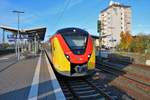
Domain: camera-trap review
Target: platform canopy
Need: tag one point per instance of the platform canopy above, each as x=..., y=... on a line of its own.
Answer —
x=39, y=31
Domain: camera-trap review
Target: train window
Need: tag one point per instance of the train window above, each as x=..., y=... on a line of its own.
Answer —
x=76, y=42
x=75, y=38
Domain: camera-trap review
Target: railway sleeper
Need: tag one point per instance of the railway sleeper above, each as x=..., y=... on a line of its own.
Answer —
x=83, y=92
x=86, y=93
x=80, y=86
x=97, y=95
x=83, y=89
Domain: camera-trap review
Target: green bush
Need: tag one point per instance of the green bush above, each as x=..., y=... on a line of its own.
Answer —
x=139, y=44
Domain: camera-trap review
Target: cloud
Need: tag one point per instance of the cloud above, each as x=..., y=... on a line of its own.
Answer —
x=32, y=16
x=74, y=3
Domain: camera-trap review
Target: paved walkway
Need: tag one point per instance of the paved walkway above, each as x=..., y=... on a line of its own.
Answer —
x=30, y=78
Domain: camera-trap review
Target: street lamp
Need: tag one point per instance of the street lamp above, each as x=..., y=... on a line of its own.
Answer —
x=18, y=35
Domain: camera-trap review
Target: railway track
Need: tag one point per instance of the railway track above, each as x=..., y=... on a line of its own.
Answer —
x=85, y=89
x=117, y=72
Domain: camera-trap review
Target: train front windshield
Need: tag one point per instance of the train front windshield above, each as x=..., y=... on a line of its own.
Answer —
x=76, y=42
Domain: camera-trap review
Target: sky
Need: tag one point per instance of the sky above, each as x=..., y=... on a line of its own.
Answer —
x=57, y=14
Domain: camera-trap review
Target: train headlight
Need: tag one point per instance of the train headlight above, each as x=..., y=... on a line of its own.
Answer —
x=67, y=56
x=89, y=56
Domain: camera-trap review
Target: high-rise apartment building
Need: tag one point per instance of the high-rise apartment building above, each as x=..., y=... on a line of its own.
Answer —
x=116, y=18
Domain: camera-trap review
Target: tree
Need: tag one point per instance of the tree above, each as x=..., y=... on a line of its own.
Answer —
x=137, y=44
x=126, y=40
x=5, y=45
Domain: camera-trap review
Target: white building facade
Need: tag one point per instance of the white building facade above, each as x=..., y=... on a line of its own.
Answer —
x=116, y=18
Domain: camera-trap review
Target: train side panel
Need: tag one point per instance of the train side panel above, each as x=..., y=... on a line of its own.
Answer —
x=60, y=62
x=91, y=62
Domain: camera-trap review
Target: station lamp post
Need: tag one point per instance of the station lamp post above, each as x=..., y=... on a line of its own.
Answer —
x=18, y=34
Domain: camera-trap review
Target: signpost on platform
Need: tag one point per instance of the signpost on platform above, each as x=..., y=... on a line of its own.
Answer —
x=11, y=38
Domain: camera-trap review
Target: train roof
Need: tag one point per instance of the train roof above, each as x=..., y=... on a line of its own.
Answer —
x=72, y=30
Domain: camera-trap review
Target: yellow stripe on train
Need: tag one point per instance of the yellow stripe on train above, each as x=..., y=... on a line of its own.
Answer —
x=91, y=62
x=59, y=60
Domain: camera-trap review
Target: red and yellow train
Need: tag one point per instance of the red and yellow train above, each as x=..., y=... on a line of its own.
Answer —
x=72, y=52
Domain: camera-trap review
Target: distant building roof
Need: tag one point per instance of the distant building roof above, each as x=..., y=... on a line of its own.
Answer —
x=115, y=5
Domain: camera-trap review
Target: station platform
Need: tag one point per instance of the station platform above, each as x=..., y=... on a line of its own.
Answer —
x=30, y=78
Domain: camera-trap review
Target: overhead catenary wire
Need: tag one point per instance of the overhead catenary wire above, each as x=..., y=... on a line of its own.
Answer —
x=62, y=12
